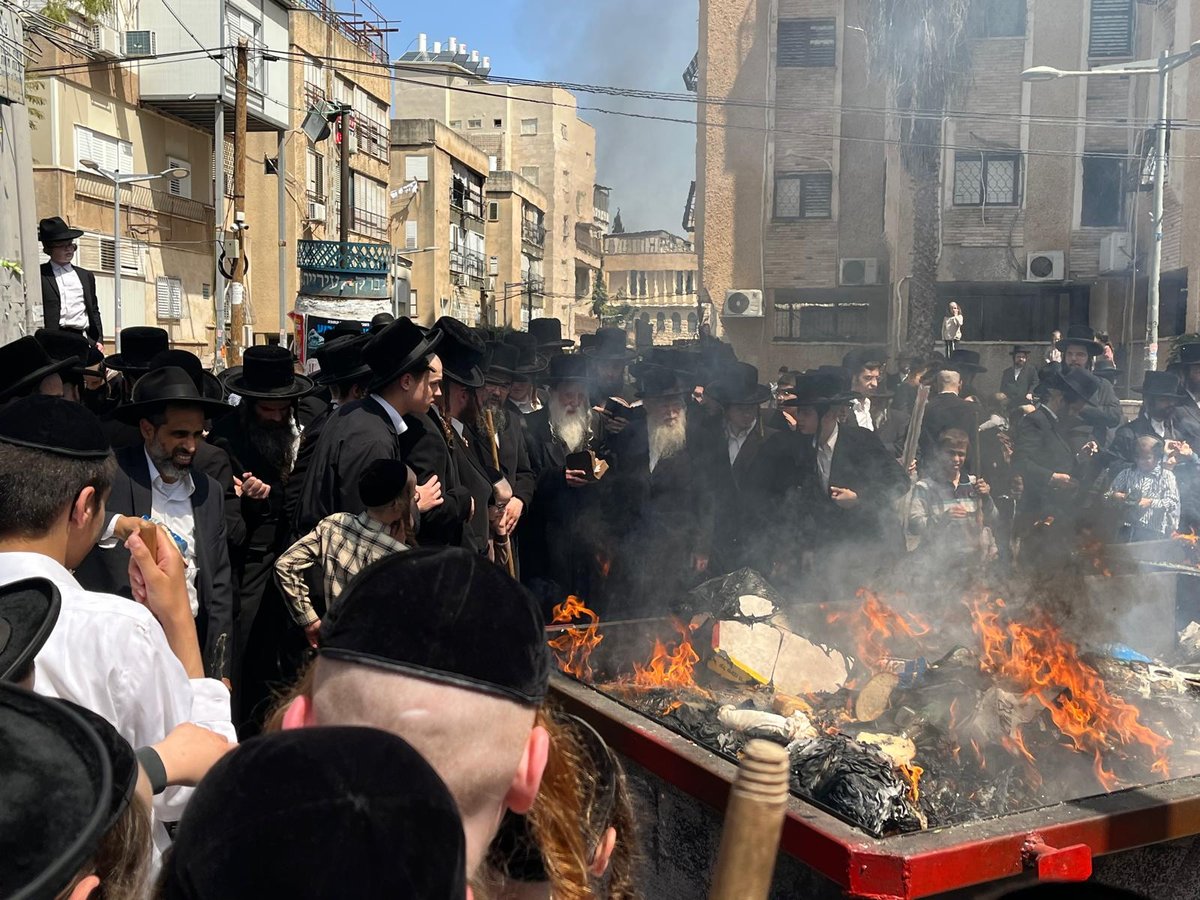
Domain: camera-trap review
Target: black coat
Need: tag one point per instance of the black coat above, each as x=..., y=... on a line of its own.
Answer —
x=944, y=411
x=864, y=465
x=52, y=302
x=266, y=526
x=1103, y=413
x=214, y=462
x=423, y=446
x=728, y=484
x=1042, y=447
x=309, y=438
x=108, y=570
x=1017, y=387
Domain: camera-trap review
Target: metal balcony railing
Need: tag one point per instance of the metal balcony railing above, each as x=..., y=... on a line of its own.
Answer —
x=373, y=140
x=138, y=196
x=369, y=223
x=533, y=233
x=468, y=262
x=586, y=241
x=334, y=256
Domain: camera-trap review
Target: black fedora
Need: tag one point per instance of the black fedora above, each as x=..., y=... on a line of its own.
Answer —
x=393, y=351
x=1020, y=348
x=1188, y=355
x=23, y=365
x=501, y=362
x=1083, y=335
x=67, y=345
x=815, y=388
x=548, y=333
x=380, y=321
x=206, y=382
x=864, y=357
x=54, y=229
x=567, y=368
x=658, y=381
x=267, y=374
x=461, y=351
x=586, y=342
x=1073, y=381
x=139, y=345
x=966, y=362
x=28, y=610
x=840, y=384
x=737, y=384
x=609, y=346
x=529, y=361
x=1162, y=384
x=168, y=386
x=341, y=360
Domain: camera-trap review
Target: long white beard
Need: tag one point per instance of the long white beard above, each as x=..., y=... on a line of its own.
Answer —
x=667, y=440
x=571, y=428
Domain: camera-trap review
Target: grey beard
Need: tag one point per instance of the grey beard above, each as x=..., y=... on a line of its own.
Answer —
x=167, y=468
x=571, y=429
x=499, y=417
x=667, y=440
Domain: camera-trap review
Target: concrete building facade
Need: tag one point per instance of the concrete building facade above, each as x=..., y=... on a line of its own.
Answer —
x=534, y=132
x=656, y=273
x=801, y=193
x=516, y=243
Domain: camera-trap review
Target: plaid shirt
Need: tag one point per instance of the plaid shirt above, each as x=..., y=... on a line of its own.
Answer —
x=343, y=545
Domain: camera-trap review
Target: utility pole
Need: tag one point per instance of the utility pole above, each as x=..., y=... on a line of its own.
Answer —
x=529, y=298
x=344, y=174
x=237, y=283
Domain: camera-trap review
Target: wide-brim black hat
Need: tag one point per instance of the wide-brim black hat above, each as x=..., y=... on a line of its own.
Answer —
x=966, y=362
x=342, y=360
x=461, y=352
x=139, y=345
x=267, y=373
x=529, y=362
x=23, y=365
x=1080, y=334
x=168, y=386
x=1082, y=384
x=609, y=346
x=1020, y=348
x=125, y=766
x=1162, y=384
x=67, y=345
x=502, y=361
x=54, y=425
x=54, y=229
x=28, y=610
x=57, y=785
x=397, y=348
x=821, y=388
x=565, y=367
x=548, y=333
x=864, y=357
x=737, y=385
x=659, y=381
x=206, y=382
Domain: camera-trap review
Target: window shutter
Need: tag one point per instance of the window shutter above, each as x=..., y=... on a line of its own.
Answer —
x=818, y=196
x=410, y=235
x=807, y=42
x=416, y=168
x=162, y=297
x=180, y=187
x=83, y=146
x=124, y=156
x=1111, y=28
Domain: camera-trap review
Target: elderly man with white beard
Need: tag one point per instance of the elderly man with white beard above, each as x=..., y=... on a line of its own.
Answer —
x=560, y=537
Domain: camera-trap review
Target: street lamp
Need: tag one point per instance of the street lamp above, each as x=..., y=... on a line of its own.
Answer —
x=1162, y=67
x=118, y=181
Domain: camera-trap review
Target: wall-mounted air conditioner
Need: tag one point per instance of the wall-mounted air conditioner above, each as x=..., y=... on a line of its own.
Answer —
x=858, y=272
x=743, y=305
x=1045, y=265
x=139, y=44
x=1114, y=252
x=105, y=42
x=316, y=211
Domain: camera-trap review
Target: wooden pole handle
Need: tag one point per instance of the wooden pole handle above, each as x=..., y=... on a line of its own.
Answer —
x=753, y=824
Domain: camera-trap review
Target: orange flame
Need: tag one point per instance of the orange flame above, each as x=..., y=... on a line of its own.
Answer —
x=912, y=774
x=1041, y=662
x=875, y=624
x=574, y=647
x=670, y=666
x=1189, y=537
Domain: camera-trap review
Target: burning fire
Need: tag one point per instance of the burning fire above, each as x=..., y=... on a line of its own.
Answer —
x=671, y=665
x=912, y=774
x=574, y=646
x=875, y=624
x=1043, y=664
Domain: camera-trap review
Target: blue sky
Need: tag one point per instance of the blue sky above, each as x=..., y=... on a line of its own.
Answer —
x=642, y=44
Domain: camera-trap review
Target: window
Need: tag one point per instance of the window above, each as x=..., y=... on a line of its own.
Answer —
x=474, y=123
x=110, y=153
x=529, y=126
x=1103, y=194
x=493, y=211
x=691, y=323
x=316, y=176
x=370, y=205
x=1111, y=28
x=803, y=196
x=456, y=123
x=530, y=174
x=678, y=283
x=168, y=297
x=563, y=131
x=1020, y=314
x=691, y=282
x=497, y=123
x=410, y=235
x=996, y=18
x=179, y=187
x=986, y=179
x=675, y=322
x=98, y=252
x=660, y=323
x=493, y=163
x=416, y=168
x=807, y=43
x=824, y=317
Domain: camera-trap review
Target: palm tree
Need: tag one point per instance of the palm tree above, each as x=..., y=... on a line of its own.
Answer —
x=919, y=49
x=600, y=299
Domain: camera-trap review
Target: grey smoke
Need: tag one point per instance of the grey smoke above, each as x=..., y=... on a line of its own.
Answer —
x=628, y=43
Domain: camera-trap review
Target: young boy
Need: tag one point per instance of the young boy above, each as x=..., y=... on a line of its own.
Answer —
x=1149, y=491
x=944, y=512
x=343, y=544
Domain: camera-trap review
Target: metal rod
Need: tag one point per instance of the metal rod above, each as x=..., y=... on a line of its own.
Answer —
x=1160, y=174
x=281, y=214
x=118, y=318
x=609, y=624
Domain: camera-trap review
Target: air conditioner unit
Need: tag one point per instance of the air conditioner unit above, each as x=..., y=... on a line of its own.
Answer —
x=743, y=305
x=1114, y=252
x=139, y=44
x=1045, y=265
x=105, y=42
x=316, y=211
x=462, y=279
x=858, y=271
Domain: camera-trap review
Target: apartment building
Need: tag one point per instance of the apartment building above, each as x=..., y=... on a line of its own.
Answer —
x=516, y=242
x=534, y=132
x=805, y=231
x=439, y=219
x=656, y=273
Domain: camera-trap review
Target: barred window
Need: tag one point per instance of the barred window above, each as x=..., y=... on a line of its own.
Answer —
x=990, y=179
x=803, y=196
x=805, y=43
x=996, y=18
x=818, y=317
x=1111, y=33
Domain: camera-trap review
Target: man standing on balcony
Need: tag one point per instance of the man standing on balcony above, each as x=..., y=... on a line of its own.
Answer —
x=68, y=292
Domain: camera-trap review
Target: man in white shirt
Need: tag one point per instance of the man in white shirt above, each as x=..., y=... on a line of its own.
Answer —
x=864, y=366
x=68, y=292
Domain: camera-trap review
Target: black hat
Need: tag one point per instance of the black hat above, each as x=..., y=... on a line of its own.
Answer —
x=28, y=611
x=342, y=360
x=461, y=351
x=380, y=321
x=817, y=389
x=609, y=345
x=120, y=755
x=502, y=362
x=1081, y=334
x=863, y=357
x=738, y=384
x=586, y=342
x=966, y=362
x=57, y=785
x=160, y=388
x=1189, y=354
x=445, y=615
x=206, y=382
x=382, y=481
x=1162, y=384
x=548, y=333
x=54, y=229
x=23, y=365
x=529, y=362
x=1020, y=348
x=397, y=348
x=1081, y=383
x=656, y=381
x=680, y=361
x=54, y=425
x=360, y=800
x=343, y=329
x=139, y=345
x=567, y=368
x=839, y=383
x=267, y=374
x=67, y=345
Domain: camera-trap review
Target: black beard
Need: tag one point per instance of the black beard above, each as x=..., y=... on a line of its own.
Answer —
x=499, y=413
x=274, y=442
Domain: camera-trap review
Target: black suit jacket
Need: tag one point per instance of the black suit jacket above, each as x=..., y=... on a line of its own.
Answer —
x=52, y=302
x=108, y=570
x=1041, y=447
x=423, y=446
x=1017, y=387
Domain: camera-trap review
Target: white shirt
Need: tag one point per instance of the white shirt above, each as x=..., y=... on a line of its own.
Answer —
x=72, y=311
x=825, y=456
x=735, y=443
x=862, y=413
x=533, y=404
x=171, y=505
x=397, y=420
x=110, y=655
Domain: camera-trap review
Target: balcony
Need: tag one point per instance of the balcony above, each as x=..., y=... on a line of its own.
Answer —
x=588, y=246
x=365, y=32
x=369, y=223
x=533, y=233
x=467, y=262
x=140, y=197
x=373, y=140
x=334, y=256
x=314, y=95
